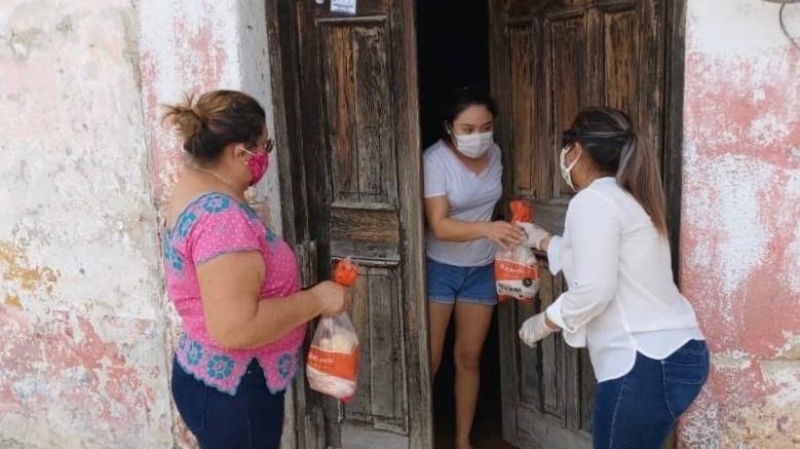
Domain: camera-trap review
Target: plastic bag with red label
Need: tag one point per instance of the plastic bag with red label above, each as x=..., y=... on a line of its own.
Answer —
x=332, y=365
x=516, y=270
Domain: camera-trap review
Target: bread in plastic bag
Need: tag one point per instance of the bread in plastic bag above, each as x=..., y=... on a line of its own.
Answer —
x=332, y=365
x=516, y=270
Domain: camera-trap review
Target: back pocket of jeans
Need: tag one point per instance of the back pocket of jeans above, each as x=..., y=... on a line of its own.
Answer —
x=190, y=398
x=686, y=367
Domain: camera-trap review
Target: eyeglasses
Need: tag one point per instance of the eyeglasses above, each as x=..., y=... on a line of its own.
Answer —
x=269, y=145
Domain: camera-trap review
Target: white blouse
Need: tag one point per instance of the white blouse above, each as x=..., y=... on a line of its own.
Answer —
x=621, y=297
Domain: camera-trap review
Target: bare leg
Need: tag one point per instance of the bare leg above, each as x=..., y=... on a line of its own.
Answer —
x=439, y=316
x=472, y=325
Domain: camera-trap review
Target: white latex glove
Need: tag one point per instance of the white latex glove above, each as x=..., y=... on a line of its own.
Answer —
x=535, y=234
x=534, y=329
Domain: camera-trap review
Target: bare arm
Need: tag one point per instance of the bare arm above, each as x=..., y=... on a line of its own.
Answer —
x=445, y=228
x=235, y=316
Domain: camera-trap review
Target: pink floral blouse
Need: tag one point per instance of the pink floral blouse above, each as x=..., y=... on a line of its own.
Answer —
x=212, y=225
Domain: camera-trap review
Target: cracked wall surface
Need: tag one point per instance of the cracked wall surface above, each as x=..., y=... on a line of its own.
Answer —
x=87, y=329
x=83, y=347
x=741, y=221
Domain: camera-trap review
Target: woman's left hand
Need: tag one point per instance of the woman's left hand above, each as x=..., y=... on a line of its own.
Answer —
x=534, y=329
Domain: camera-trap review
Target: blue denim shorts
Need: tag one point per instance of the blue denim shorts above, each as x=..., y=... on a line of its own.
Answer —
x=449, y=283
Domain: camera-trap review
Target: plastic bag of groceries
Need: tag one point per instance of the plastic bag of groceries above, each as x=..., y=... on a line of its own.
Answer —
x=516, y=270
x=332, y=365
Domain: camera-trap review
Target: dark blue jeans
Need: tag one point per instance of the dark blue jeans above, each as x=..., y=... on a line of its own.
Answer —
x=251, y=419
x=638, y=410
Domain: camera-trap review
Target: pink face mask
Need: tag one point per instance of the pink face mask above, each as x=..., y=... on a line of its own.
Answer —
x=257, y=165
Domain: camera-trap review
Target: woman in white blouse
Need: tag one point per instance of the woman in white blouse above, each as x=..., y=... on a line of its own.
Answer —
x=648, y=353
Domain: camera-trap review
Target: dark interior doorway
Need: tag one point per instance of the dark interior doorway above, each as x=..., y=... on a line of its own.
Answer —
x=453, y=51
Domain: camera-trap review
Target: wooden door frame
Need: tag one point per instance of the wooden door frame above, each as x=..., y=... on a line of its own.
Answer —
x=673, y=125
x=285, y=86
x=673, y=137
x=298, y=225
x=284, y=61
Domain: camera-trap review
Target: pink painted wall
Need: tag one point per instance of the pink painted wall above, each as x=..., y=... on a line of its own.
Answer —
x=82, y=348
x=87, y=331
x=741, y=221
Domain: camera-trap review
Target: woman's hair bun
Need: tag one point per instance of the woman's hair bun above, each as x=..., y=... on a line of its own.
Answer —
x=215, y=119
x=185, y=117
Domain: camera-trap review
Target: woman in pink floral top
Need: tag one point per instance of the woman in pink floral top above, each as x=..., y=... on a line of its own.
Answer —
x=234, y=283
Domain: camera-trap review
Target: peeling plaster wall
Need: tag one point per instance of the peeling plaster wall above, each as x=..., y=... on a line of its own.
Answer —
x=82, y=358
x=741, y=221
x=192, y=46
x=87, y=328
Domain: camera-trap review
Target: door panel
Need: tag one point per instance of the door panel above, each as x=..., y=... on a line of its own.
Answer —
x=549, y=60
x=362, y=164
x=377, y=313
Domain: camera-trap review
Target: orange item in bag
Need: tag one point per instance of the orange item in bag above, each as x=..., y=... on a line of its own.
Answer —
x=516, y=270
x=332, y=365
x=345, y=273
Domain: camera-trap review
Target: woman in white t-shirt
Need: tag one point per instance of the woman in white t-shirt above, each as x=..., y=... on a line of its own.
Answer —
x=463, y=174
x=648, y=353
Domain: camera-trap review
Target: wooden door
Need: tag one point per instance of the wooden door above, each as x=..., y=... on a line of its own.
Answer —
x=549, y=59
x=350, y=103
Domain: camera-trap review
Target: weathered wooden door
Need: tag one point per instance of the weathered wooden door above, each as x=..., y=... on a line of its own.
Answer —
x=549, y=59
x=355, y=100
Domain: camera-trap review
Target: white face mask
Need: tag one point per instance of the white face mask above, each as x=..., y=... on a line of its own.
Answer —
x=474, y=145
x=566, y=171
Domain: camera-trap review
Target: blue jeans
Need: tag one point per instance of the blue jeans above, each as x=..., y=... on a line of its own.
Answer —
x=638, y=410
x=251, y=419
x=449, y=283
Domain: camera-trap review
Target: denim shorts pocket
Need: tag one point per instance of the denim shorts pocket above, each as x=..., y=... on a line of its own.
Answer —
x=190, y=398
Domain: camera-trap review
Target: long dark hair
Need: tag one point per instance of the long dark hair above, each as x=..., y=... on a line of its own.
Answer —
x=608, y=136
x=459, y=100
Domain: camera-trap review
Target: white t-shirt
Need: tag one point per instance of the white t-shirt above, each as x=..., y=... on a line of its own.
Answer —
x=621, y=296
x=472, y=198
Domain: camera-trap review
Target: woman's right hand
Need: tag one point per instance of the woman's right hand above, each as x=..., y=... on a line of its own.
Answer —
x=333, y=298
x=504, y=234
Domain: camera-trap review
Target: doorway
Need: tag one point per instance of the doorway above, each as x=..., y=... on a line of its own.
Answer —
x=356, y=100
x=453, y=52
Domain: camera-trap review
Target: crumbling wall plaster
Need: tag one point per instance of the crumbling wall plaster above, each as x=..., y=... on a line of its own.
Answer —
x=741, y=221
